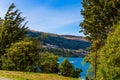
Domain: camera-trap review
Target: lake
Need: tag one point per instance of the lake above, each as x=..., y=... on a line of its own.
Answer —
x=77, y=63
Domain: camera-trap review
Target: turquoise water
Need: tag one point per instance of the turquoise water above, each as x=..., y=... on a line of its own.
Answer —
x=78, y=63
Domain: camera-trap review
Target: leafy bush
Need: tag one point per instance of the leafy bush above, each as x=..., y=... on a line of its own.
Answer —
x=21, y=56
x=48, y=63
x=67, y=69
x=76, y=73
x=109, y=67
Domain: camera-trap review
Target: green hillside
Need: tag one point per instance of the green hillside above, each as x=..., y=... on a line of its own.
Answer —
x=62, y=45
x=63, y=41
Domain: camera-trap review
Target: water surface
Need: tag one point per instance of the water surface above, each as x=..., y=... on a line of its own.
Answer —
x=77, y=63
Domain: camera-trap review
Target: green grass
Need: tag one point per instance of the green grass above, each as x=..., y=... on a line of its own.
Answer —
x=15, y=75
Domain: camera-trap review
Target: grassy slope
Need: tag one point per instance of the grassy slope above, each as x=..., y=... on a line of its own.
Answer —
x=32, y=76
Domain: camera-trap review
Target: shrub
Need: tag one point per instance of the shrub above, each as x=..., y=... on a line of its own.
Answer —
x=67, y=69
x=76, y=73
x=48, y=63
x=21, y=56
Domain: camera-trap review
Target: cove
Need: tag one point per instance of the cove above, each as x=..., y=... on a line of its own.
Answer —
x=77, y=63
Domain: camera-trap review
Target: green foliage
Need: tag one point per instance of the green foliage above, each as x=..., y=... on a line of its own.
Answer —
x=109, y=68
x=12, y=29
x=90, y=73
x=48, y=63
x=1, y=20
x=67, y=69
x=75, y=73
x=99, y=17
x=21, y=56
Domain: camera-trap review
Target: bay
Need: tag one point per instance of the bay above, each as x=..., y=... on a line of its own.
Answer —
x=77, y=63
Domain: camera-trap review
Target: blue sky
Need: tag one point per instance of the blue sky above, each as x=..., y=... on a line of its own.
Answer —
x=53, y=16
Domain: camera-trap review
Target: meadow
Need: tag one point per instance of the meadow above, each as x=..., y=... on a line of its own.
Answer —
x=16, y=75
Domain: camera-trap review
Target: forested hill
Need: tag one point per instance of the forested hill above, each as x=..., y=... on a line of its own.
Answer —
x=62, y=41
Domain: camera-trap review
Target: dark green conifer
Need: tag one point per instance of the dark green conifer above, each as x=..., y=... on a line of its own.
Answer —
x=11, y=29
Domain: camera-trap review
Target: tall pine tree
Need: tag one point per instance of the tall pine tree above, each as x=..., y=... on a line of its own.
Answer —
x=11, y=29
x=99, y=17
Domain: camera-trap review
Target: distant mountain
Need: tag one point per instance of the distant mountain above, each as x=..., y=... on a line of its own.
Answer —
x=73, y=37
x=75, y=45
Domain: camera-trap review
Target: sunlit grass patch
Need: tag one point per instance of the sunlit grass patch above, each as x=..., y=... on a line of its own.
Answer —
x=16, y=75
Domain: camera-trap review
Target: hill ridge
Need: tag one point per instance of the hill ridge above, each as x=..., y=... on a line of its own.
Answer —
x=63, y=45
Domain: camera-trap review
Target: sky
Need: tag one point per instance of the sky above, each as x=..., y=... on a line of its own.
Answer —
x=52, y=16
